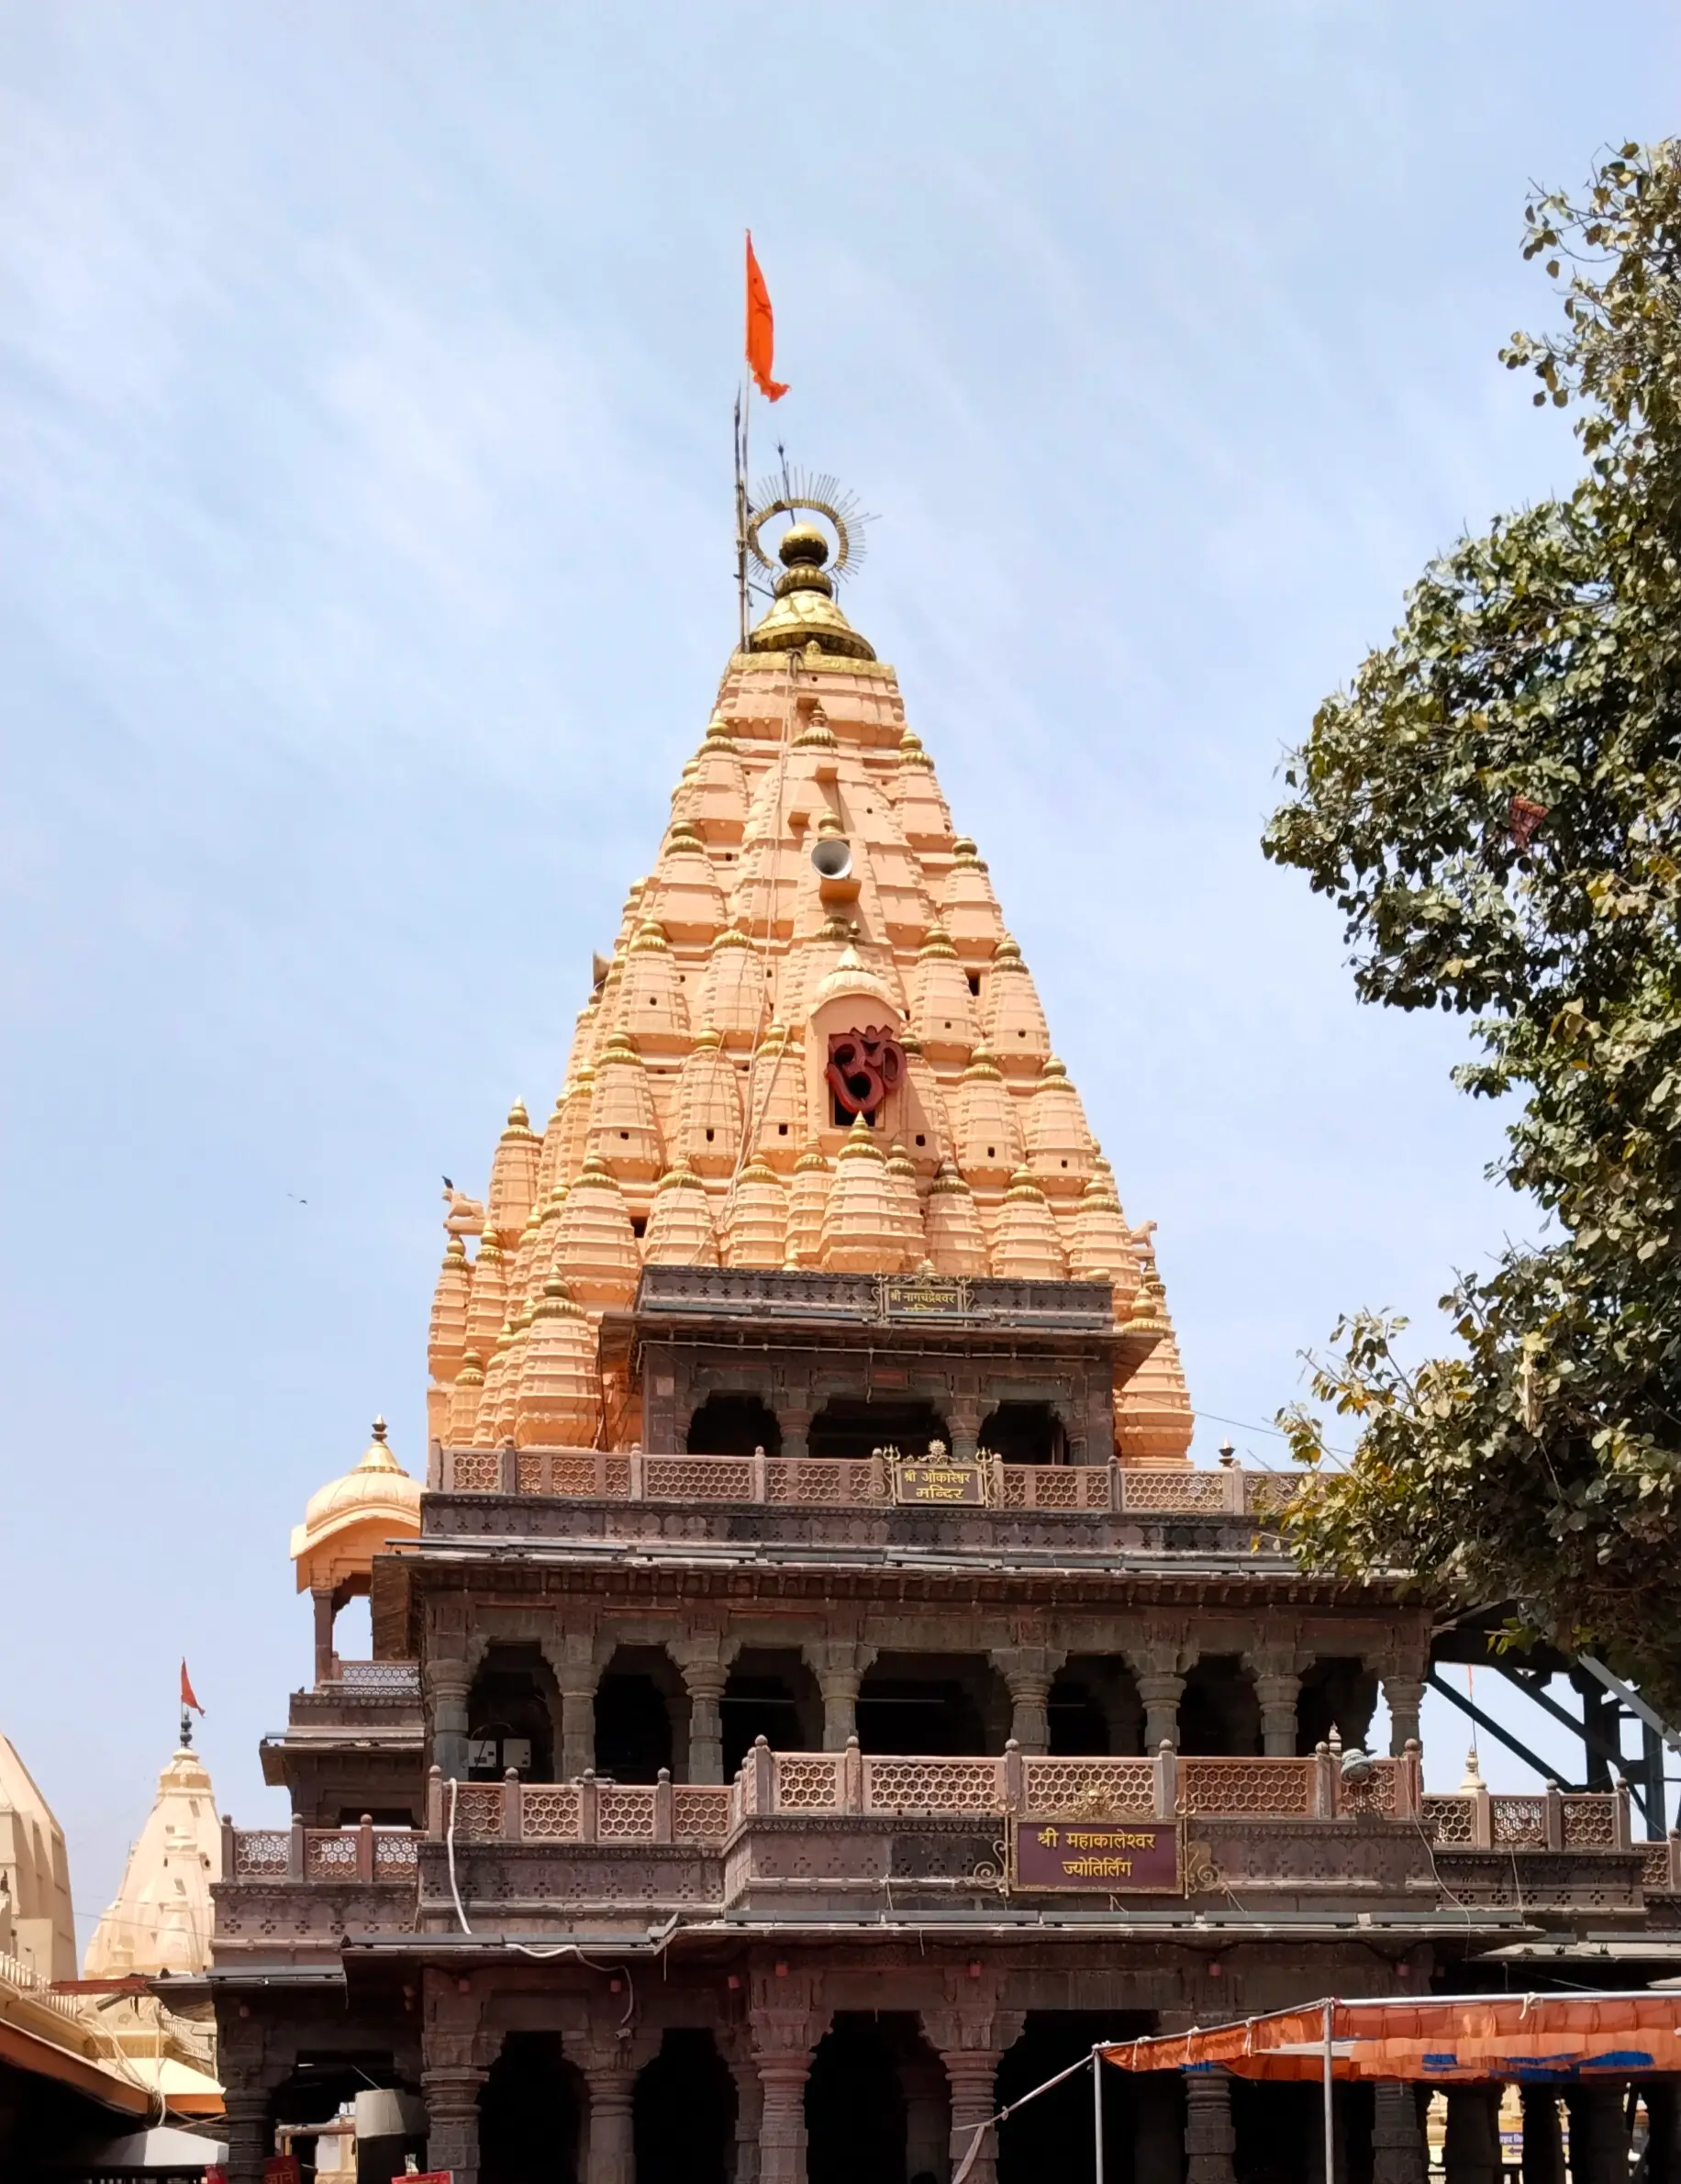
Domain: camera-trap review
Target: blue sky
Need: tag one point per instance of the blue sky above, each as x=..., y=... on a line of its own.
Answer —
x=365, y=579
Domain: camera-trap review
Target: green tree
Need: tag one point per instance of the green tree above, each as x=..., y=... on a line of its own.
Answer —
x=1495, y=807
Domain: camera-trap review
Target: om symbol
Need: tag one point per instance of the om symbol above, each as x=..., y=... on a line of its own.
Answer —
x=864, y=1067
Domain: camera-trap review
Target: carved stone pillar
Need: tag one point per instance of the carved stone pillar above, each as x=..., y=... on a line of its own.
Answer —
x=795, y=1426
x=321, y=1600
x=786, y=2025
x=577, y=1674
x=744, y=2167
x=612, y=2150
x=1543, y=2141
x=1277, y=1690
x=839, y=1689
x=963, y=1424
x=838, y=1665
x=1472, y=2152
x=1028, y=1672
x=1404, y=1696
x=1397, y=2138
x=1160, y=1690
x=705, y=1682
x=451, y=2095
x=251, y=2138
x=1598, y=2134
x=970, y=2075
x=448, y=1682
x=1209, y=2140
x=1158, y=2149
x=969, y=2035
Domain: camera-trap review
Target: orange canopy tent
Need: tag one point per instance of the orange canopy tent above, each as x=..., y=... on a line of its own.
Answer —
x=1448, y=2039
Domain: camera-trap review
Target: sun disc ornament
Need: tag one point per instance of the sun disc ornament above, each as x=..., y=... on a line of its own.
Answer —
x=802, y=494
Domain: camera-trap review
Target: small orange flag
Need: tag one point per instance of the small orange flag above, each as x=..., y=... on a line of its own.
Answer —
x=760, y=330
x=188, y=1696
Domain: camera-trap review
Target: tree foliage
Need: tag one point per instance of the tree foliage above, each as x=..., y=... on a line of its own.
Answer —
x=1495, y=807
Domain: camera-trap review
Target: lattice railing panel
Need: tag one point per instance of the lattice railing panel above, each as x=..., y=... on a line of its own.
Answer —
x=1519, y=1823
x=1057, y=1486
x=700, y=1813
x=329, y=1854
x=697, y=1478
x=1655, y=1866
x=1448, y=1819
x=1267, y=1492
x=388, y=1679
x=261, y=1854
x=478, y=1810
x=1172, y=1493
x=1590, y=1822
x=475, y=1471
x=932, y=1785
x=825, y=1482
x=624, y=1813
x=807, y=1784
x=1373, y=1793
x=396, y=1855
x=549, y=1812
x=1275, y=1787
x=1058, y=1787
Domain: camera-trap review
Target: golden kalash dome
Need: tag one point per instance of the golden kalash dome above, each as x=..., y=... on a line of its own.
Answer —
x=812, y=942
x=37, y=1924
x=347, y=1524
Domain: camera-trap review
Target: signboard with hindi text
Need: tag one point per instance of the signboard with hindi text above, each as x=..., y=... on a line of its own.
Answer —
x=1102, y=1857
x=934, y=1481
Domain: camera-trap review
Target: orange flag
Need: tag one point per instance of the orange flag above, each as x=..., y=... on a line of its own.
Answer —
x=760, y=330
x=188, y=1696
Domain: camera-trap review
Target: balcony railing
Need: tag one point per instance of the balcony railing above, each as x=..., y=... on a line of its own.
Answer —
x=797, y=1785
x=890, y=1786
x=824, y=1482
x=364, y=1854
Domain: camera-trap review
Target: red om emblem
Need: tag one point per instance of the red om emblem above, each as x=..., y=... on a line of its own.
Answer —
x=864, y=1067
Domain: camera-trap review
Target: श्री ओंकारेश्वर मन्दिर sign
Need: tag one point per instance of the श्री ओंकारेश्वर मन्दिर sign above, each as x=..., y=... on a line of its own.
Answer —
x=940, y=1479
x=1106, y=1857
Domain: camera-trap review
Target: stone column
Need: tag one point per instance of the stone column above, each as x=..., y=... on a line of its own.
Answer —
x=612, y=2151
x=1209, y=2141
x=251, y=2138
x=451, y=2095
x=1158, y=2150
x=1404, y=1696
x=448, y=1683
x=705, y=1682
x=795, y=1426
x=970, y=2075
x=1472, y=2154
x=744, y=2168
x=1278, y=1691
x=838, y=1665
x=1599, y=2136
x=1397, y=2140
x=1544, y=2141
x=1160, y=1690
x=786, y=2025
x=578, y=1723
x=1028, y=1671
x=969, y=2035
x=321, y=1600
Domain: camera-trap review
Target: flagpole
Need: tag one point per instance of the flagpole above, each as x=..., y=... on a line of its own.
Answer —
x=1096, y=2115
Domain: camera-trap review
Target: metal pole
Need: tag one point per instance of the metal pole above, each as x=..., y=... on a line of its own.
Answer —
x=1096, y=2115
x=1327, y=2081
